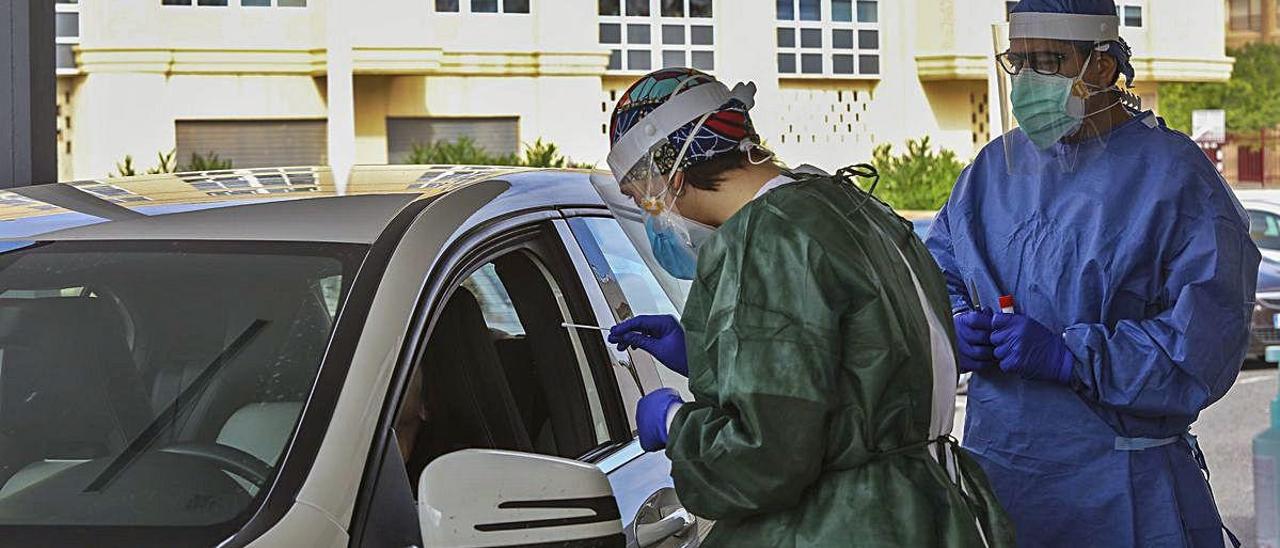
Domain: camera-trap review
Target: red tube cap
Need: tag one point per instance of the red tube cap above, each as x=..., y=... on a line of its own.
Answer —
x=1006, y=301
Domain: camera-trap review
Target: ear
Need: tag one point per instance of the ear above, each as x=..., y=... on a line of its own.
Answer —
x=677, y=184
x=1105, y=70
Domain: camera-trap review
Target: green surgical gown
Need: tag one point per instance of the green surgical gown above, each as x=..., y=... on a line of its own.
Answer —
x=810, y=365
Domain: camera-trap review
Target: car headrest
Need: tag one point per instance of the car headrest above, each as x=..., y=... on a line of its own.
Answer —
x=68, y=383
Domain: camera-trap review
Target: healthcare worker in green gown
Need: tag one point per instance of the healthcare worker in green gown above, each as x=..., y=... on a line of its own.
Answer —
x=816, y=338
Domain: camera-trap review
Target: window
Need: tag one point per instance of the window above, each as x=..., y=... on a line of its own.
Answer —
x=1246, y=15
x=483, y=6
x=499, y=371
x=67, y=35
x=239, y=329
x=607, y=247
x=828, y=38
x=1130, y=12
x=1264, y=227
x=644, y=34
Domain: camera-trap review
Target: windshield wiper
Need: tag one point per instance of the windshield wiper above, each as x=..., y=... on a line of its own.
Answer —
x=169, y=416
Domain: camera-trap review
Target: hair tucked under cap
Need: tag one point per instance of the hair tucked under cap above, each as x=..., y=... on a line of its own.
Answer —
x=1120, y=49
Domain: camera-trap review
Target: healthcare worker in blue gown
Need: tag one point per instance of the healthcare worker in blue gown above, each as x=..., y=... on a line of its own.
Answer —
x=1132, y=271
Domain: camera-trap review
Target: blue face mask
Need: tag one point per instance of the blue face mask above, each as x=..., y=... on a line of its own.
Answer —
x=678, y=258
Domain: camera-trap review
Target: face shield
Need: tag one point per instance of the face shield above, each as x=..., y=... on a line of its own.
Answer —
x=644, y=163
x=1053, y=117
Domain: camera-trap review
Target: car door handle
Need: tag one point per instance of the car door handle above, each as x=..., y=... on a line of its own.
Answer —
x=678, y=522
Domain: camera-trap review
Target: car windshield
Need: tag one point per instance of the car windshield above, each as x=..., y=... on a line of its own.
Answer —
x=156, y=384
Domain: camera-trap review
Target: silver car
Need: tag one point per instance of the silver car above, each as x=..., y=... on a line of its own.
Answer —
x=265, y=357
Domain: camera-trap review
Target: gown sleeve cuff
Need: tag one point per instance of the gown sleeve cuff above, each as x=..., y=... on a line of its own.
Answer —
x=671, y=414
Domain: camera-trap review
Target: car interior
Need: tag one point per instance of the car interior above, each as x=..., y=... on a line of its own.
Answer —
x=125, y=343
x=500, y=372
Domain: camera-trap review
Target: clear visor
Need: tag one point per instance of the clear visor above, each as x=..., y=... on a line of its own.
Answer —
x=645, y=207
x=1052, y=118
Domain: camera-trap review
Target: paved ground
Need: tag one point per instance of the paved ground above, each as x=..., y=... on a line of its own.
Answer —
x=1226, y=432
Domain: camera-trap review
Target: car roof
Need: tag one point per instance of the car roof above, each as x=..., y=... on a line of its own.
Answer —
x=278, y=204
x=1264, y=205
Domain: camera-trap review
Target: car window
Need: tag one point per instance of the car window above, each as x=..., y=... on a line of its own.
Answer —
x=501, y=372
x=117, y=357
x=1264, y=227
x=604, y=237
x=630, y=284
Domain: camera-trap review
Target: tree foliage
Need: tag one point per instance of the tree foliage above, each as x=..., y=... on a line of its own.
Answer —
x=1251, y=97
x=920, y=178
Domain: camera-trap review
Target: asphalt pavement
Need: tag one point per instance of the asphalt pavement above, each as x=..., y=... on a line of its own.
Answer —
x=1226, y=432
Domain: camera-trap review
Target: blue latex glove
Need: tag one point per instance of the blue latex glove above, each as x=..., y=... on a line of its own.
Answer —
x=660, y=336
x=973, y=341
x=651, y=417
x=1025, y=347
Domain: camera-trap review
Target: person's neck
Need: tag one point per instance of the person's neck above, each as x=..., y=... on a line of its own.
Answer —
x=740, y=188
x=1103, y=121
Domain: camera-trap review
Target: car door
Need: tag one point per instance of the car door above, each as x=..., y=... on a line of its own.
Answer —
x=498, y=369
x=618, y=279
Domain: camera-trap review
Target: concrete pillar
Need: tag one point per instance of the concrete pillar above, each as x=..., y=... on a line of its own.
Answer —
x=341, y=92
x=28, y=88
x=1269, y=21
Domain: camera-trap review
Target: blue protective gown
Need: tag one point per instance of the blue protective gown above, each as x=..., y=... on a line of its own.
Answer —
x=1141, y=256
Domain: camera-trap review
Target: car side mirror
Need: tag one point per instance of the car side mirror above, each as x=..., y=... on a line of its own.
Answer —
x=482, y=497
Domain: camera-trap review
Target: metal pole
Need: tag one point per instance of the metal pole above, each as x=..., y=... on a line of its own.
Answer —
x=28, y=133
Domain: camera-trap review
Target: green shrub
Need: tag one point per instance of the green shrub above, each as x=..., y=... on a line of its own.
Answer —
x=124, y=168
x=465, y=151
x=207, y=162
x=540, y=154
x=165, y=163
x=920, y=179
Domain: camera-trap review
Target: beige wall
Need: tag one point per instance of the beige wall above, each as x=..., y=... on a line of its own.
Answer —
x=146, y=23
x=128, y=113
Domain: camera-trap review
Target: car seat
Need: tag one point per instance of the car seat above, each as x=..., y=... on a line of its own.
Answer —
x=468, y=401
x=69, y=389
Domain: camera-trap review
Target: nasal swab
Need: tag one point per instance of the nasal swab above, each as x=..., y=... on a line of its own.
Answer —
x=588, y=327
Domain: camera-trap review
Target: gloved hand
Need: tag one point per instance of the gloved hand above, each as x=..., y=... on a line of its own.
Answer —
x=973, y=341
x=651, y=417
x=660, y=336
x=1025, y=347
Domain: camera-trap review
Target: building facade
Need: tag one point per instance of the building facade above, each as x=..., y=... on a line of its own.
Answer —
x=264, y=82
x=1251, y=21
x=1252, y=159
